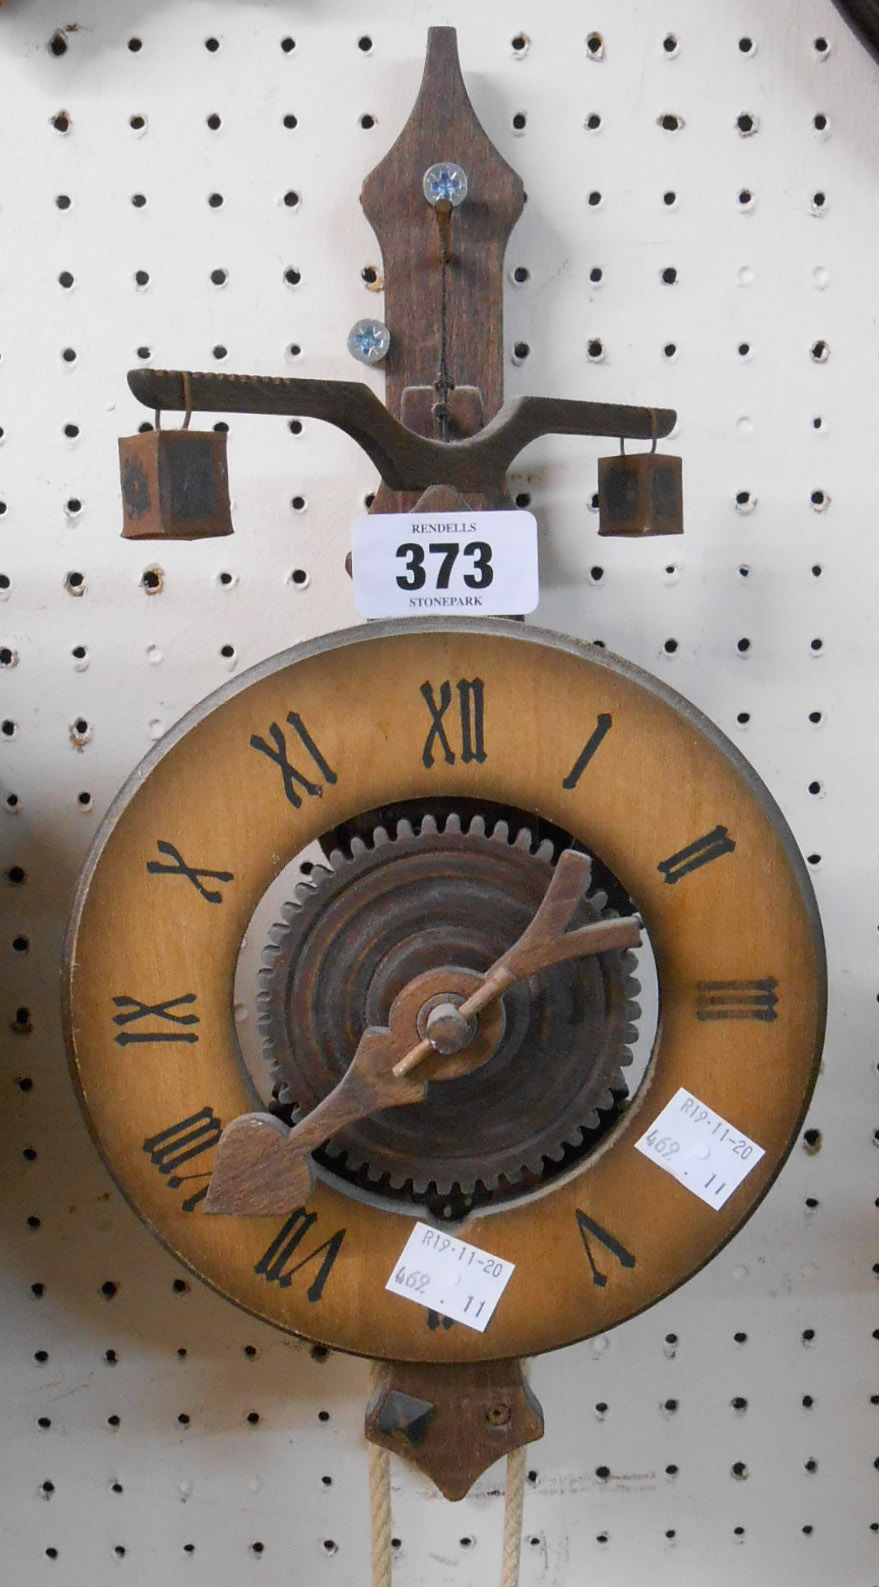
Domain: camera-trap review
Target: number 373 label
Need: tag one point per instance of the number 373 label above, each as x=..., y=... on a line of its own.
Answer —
x=450, y=1277
x=704, y=1152
x=482, y=564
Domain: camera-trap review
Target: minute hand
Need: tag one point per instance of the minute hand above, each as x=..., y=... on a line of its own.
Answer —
x=544, y=942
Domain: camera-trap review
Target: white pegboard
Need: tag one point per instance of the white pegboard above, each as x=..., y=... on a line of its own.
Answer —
x=149, y=1428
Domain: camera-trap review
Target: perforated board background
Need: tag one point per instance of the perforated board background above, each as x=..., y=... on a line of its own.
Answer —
x=701, y=232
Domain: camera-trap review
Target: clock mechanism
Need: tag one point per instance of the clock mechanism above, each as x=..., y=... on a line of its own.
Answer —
x=449, y=999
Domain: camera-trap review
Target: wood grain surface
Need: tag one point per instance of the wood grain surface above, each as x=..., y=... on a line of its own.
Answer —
x=340, y=726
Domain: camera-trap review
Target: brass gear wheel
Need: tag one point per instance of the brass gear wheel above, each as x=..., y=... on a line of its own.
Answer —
x=409, y=900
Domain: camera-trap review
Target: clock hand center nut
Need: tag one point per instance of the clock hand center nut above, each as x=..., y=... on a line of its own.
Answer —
x=446, y=1028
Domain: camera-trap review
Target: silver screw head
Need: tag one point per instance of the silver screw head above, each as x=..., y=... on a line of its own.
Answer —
x=369, y=341
x=445, y=183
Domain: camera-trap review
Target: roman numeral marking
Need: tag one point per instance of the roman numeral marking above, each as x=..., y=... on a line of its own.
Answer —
x=292, y=777
x=436, y=1320
x=192, y=874
x=272, y=1265
x=587, y=1226
x=134, y=1010
x=180, y=1143
x=603, y=726
x=737, y=999
x=471, y=709
x=698, y=853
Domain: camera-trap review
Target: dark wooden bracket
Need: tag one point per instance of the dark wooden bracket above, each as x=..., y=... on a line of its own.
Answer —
x=453, y=1421
x=485, y=434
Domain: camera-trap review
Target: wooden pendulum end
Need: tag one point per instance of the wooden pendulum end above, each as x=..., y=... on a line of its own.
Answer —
x=640, y=493
x=175, y=485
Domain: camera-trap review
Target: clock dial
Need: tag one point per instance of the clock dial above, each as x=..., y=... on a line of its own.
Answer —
x=481, y=716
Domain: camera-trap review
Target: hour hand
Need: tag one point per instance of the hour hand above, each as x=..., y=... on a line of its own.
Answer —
x=263, y=1167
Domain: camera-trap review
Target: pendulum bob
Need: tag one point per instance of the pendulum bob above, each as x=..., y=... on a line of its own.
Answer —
x=640, y=493
x=175, y=485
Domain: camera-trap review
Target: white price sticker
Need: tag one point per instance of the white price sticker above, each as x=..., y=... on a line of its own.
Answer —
x=704, y=1152
x=450, y=1277
x=481, y=564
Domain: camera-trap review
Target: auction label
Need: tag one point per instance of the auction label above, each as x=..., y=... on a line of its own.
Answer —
x=700, y=1149
x=449, y=1277
x=482, y=564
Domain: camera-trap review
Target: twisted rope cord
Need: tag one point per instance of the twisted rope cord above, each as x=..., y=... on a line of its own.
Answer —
x=379, y=1498
x=513, y=1509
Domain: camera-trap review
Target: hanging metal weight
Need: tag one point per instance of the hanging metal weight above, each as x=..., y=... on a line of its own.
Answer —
x=640, y=493
x=175, y=484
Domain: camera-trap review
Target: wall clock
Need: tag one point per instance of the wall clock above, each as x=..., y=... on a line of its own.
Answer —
x=448, y=768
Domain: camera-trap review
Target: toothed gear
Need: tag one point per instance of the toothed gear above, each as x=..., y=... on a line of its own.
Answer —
x=357, y=932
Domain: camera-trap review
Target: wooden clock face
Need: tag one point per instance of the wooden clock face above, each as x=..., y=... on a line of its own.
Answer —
x=489, y=714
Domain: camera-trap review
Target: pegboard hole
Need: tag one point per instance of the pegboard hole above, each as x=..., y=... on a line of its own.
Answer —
x=57, y=44
x=216, y=200
x=138, y=200
x=214, y=121
x=8, y=658
x=253, y=1418
x=816, y=646
x=670, y=646
x=520, y=43
x=820, y=122
x=291, y=199
x=592, y=122
x=137, y=123
x=813, y=859
x=807, y=1336
x=111, y=1357
x=61, y=121
x=594, y=199
x=520, y=275
x=116, y=1487
x=669, y=275
x=152, y=580
x=44, y=1421
x=291, y=121
x=466, y=1542
x=747, y=124
x=184, y=1418
x=669, y=198
x=743, y=646
x=16, y=876
x=71, y=431
x=745, y=198
x=595, y=46
x=369, y=274
x=327, y=1482
x=298, y=503
x=816, y=716
x=63, y=201
x=257, y=1548
x=596, y=574
x=520, y=121
x=670, y=352
x=819, y=352
x=65, y=279
x=219, y=352
x=740, y=1471
x=744, y=349
x=134, y=45
x=523, y=499
x=743, y=718
x=69, y=355
x=747, y=46
x=521, y=351
x=602, y=1473
x=11, y=801
x=815, y=788
x=670, y=45
x=295, y=426
x=109, y=1288
x=22, y=1025
x=364, y=43
x=180, y=1286
x=288, y=45
x=595, y=351
x=740, y=1338
x=669, y=122
x=739, y=1404
x=596, y=274
x=22, y=945
x=821, y=48
x=367, y=122
x=323, y=1416
x=330, y=1547
x=212, y=45
x=819, y=201
x=811, y=1465
x=299, y=578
